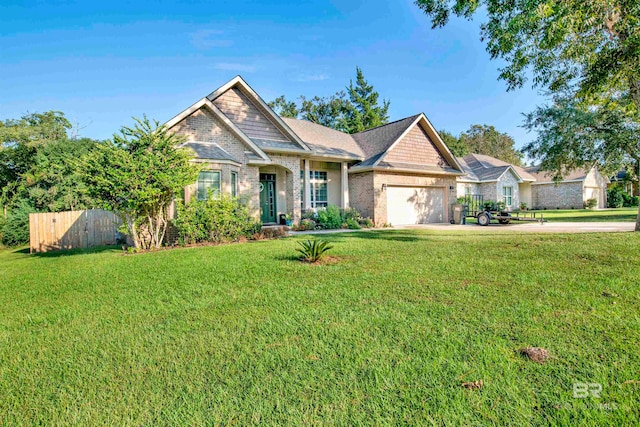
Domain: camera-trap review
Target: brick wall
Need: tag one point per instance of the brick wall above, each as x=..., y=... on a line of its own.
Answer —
x=564, y=196
x=361, y=193
x=204, y=126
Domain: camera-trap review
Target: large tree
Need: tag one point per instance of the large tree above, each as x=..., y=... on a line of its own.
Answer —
x=485, y=139
x=454, y=143
x=586, y=53
x=572, y=134
x=20, y=140
x=363, y=111
x=354, y=111
x=138, y=175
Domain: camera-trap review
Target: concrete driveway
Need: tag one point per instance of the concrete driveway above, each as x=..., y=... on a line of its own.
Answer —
x=533, y=227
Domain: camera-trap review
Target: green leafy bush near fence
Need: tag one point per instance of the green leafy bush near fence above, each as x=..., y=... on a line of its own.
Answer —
x=15, y=229
x=216, y=220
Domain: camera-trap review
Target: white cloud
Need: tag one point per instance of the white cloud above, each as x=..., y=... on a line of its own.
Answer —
x=235, y=66
x=312, y=77
x=207, y=39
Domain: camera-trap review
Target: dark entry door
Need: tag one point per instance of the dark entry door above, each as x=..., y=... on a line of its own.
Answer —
x=267, y=197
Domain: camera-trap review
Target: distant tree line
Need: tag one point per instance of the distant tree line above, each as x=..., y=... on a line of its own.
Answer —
x=483, y=139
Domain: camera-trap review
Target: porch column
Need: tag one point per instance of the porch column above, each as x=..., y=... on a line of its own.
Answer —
x=307, y=186
x=344, y=182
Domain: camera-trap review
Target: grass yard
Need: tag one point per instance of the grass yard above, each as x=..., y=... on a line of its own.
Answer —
x=588, y=215
x=245, y=334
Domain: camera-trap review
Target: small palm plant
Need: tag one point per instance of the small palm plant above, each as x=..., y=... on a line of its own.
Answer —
x=313, y=250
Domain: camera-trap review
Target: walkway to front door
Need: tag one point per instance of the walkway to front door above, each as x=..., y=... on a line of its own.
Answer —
x=268, y=198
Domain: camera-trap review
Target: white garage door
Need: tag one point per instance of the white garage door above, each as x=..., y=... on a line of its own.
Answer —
x=414, y=205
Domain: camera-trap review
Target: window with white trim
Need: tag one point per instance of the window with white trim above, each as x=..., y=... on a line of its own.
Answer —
x=318, y=184
x=208, y=183
x=507, y=195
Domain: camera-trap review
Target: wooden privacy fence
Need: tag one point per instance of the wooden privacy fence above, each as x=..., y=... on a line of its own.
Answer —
x=72, y=230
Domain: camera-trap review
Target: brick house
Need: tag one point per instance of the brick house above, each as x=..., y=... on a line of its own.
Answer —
x=513, y=185
x=399, y=173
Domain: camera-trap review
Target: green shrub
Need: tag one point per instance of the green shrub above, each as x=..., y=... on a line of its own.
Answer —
x=615, y=198
x=313, y=250
x=591, y=203
x=306, y=224
x=352, y=224
x=489, y=205
x=629, y=201
x=15, y=229
x=216, y=220
x=330, y=217
x=367, y=223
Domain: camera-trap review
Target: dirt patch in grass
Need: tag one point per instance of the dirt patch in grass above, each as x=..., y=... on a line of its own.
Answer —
x=536, y=354
x=325, y=260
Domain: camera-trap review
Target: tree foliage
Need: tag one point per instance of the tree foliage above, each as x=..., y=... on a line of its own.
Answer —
x=352, y=111
x=484, y=139
x=454, y=143
x=571, y=135
x=137, y=175
x=284, y=107
x=585, y=53
x=590, y=46
x=39, y=170
x=363, y=110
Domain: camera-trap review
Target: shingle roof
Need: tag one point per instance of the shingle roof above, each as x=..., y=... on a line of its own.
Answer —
x=417, y=168
x=375, y=142
x=266, y=144
x=480, y=167
x=325, y=141
x=622, y=175
x=209, y=150
x=546, y=176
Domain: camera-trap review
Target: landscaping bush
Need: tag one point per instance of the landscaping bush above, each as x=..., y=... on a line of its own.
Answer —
x=591, y=203
x=366, y=223
x=306, y=224
x=330, y=217
x=15, y=229
x=615, y=198
x=352, y=224
x=629, y=201
x=216, y=220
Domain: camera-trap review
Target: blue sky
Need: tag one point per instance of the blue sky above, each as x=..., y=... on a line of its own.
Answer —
x=103, y=62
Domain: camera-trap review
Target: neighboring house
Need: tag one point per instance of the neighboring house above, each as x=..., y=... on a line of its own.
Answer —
x=626, y=182
x=495, y=180
x=513, y=185
x=572, y=192
x=399, y=173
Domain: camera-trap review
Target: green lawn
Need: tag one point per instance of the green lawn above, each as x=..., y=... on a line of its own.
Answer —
x=245, y=334
x=588, y=215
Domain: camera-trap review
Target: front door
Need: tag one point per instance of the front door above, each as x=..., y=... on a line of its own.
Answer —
x=267, y=197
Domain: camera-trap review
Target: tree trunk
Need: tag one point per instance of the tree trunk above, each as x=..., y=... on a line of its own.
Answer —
x=634, y=92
